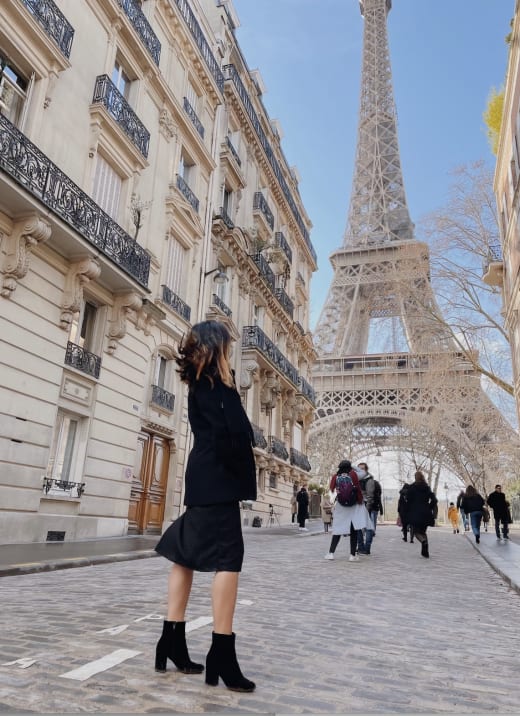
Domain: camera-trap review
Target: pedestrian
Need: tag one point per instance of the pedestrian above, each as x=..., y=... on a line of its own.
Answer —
x=402, y=511
x=472, y=504
x=497, y=501
x=207, y=537
x=294, y=508
x=485, y=518
x=453, y=516
x=326, y=511
x=302, y=498
x=463, y=515
x=371, y=490
x=348, y=520
x=421, y=510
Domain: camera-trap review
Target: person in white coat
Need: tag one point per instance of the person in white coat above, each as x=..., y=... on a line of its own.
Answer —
x=348, y=520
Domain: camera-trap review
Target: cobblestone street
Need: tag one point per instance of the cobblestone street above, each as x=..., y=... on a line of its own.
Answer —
x=394, y=633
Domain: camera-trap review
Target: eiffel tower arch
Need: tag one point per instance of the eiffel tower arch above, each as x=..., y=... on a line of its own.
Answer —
x=429, y=396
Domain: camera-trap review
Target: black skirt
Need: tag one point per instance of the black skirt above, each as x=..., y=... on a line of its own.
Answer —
x=205, y=539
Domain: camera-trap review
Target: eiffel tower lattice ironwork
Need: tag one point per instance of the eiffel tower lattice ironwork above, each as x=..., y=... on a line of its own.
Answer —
x=429, y=397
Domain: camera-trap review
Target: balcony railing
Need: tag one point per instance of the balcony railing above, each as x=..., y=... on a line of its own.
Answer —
x=187, y=193
x=193, y=116
x=222, y=214
x=176, y=303
x=277, y=447
x=233, y=151
x=281, y=242
x=285, y=301
x=217, y=301
x=44, y=180
x=230, y=73
x=260, y=203
x=162, y=398
x=55, y=24
x=106, y=93
x=142, y=27
x=300, y=460
x=260, y=441
x=51, y=484
x=83, y=360
x=200, y=40
x=265, y=270
x=307, y=390
x=254, y=337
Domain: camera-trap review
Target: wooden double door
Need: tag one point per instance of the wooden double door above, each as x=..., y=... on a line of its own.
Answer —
x=149, y=481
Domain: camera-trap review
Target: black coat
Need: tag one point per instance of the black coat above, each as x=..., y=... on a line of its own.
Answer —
x=221, y=464
x=302, y=498
x=421, y=508
x=497, y=502
x=473, y=503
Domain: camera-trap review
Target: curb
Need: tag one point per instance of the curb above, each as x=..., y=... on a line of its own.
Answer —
x=494, y=566
x=70, y=562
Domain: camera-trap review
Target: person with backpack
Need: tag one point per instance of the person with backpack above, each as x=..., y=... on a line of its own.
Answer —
x=421, y=510
x=350, y=513
x=372, y=499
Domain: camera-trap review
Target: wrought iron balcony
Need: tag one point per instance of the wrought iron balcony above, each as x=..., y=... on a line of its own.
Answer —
x=176, y=303
x=285, y=301
x=277, y=447
x=307, y=390
x=53, y=21
x=260, y=441
x=194, y=118
x=50, y=483
x=187, y=193
x=38, y=175
x=233, y=150
x=254, y=337
x=106, y=93
x=217, y=301
x=222, y=214
x=493, y=266
x=265, y=270
x=197, y=34
x=83, y=360
x=162, y=398
x=300, y=460
x=260, y=204
x=281, y=242
x=142, y=27
x=231, y=74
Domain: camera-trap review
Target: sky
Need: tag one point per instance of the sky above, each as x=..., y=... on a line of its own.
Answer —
x=446, y=56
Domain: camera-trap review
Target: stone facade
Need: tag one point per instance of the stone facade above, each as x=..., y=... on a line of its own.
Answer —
x=142, y=189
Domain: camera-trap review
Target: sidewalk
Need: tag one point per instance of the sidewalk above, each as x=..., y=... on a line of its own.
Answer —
x=503, y=557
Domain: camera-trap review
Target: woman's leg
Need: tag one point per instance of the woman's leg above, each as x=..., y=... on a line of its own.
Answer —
x=179, y=588
x=334, y=543
x=224, y=597
x=354, y=535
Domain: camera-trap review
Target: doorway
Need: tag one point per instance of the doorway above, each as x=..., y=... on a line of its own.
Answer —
x=148, y=492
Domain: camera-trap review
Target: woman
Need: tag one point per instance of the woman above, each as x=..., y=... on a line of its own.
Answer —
x=421, y=510
x=302, y=498
x=207, y=537
x=347, y=520
x=326, y=511
x=472, y=504
x=402, y=511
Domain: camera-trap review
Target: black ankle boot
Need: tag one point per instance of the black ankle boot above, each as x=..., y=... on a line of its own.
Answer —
x=424, y=549
x=172, y=645
x=222, y=661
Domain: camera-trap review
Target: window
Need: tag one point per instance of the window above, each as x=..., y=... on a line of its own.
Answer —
x=192, y=97
x=107, y=187
x=121, y=79
x=13, y=92
x=227, y=201
x=221, y=289
x=297, y=436
x=273, y=481
x=161, y=371
x=175, y=270
x=64, y=447
x=258, y=316
x=187, y=170
x=82, y=329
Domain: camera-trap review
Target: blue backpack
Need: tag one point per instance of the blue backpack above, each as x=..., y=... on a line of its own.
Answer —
x=346, y=493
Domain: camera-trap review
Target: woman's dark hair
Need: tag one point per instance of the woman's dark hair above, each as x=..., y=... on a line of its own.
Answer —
x=470, y=491
x=205, y=351
x=344, y=466
x=419, y=476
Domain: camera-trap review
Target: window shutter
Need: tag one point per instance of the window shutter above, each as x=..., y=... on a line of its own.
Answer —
x=176, y=262
x=107, y=187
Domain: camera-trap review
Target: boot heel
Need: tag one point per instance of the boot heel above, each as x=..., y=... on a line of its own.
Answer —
x=212, y=678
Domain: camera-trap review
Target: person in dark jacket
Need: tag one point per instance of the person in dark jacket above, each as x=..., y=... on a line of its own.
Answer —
x=421, y=510
x=463, y=515
x=302, y=498
x=207, y=537
x=497, y=501
x=472, y=504
x=402, y=511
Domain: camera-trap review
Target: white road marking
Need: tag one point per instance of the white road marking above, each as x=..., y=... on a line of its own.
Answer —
x=198, y=623
x=114, y=630
x=94, y=667
x=21, y=663
x=245, y=602
x=149, y=616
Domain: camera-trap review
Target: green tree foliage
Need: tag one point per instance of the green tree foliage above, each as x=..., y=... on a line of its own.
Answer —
x=493, y=116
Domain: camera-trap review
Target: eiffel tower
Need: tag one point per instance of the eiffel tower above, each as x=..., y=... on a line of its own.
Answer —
x=428, y=399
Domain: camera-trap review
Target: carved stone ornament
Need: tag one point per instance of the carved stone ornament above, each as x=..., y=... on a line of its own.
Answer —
x=51, y=84
x=289, y=407
x=26, y=234
x=80, y=273
x=167, y=125
x=270, y=390
x=247, y=373
x=123, y=304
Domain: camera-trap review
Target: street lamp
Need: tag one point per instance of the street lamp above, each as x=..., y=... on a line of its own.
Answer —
x=221, y=276
x=446, y=488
